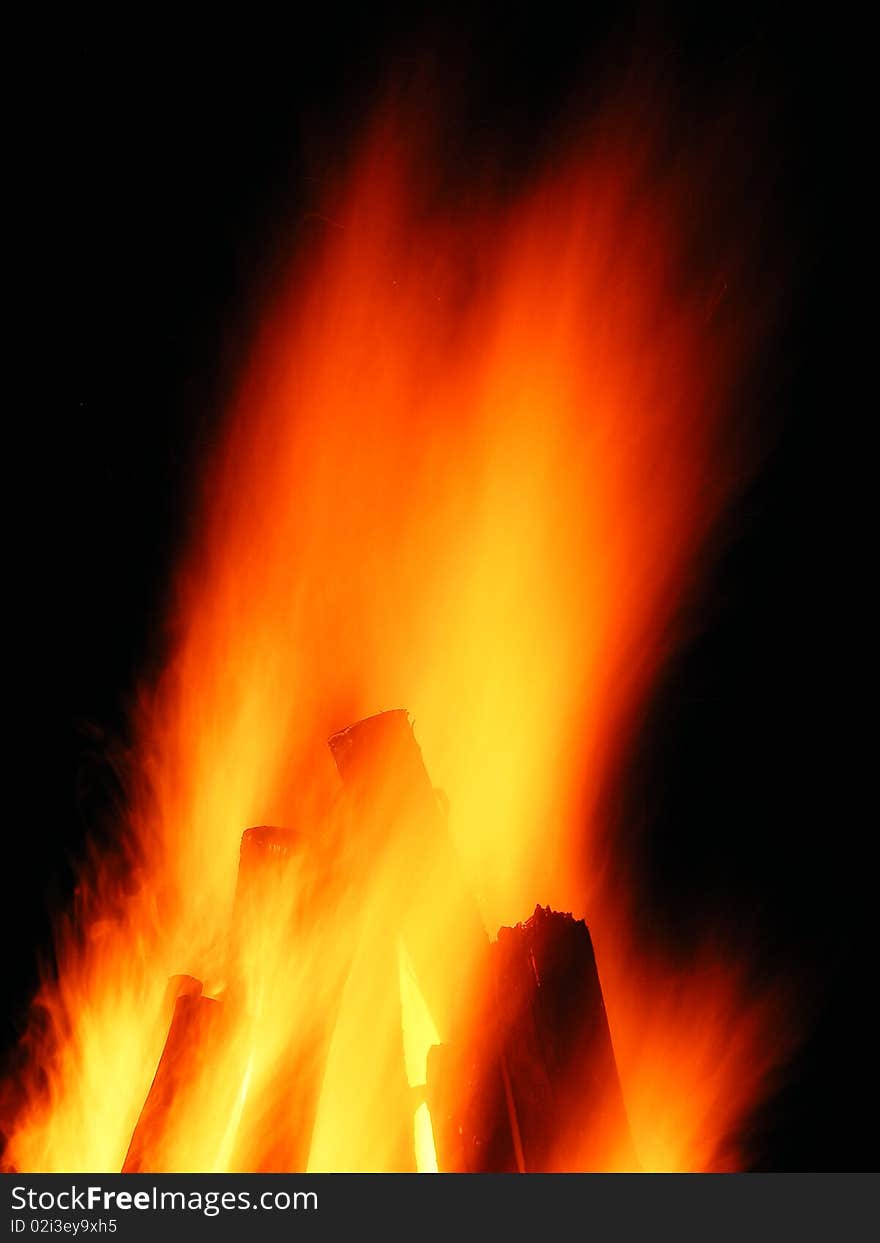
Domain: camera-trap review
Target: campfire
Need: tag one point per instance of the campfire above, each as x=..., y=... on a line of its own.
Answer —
x=495, y=1090
x=470, y=470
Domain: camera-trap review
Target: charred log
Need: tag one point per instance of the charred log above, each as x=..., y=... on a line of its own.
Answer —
x=562, y=1097
x=470, y=1112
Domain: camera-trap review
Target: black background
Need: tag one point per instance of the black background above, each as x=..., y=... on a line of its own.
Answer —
x=182, y=162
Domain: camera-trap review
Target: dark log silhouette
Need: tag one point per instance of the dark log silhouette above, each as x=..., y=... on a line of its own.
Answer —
x=561, y=1092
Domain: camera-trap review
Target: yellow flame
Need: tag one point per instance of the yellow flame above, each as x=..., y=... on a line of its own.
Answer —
x=468, y=472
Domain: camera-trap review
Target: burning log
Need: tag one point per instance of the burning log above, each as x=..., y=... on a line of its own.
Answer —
x=178, y=1081
x=397, y=816
x=399, y=857
x=558, y=1044
x=268, y=901
x=561, y=1088
x=180, y=986
x=275, y=959
x=259, y=847
x=471, y=1116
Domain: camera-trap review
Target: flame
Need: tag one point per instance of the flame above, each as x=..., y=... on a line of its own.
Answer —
x=419, y=1033
x=469, y=470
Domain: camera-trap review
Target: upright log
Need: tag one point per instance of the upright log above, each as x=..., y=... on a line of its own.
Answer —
x=558, y=1045
x=475, y=1129
x=179, y=1081
x=275, y=953
x=562, y=1096
x=404, y=869
x=397, y=816
x=267, y=894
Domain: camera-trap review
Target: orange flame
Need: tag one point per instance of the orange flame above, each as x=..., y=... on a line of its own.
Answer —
x=468, y=472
